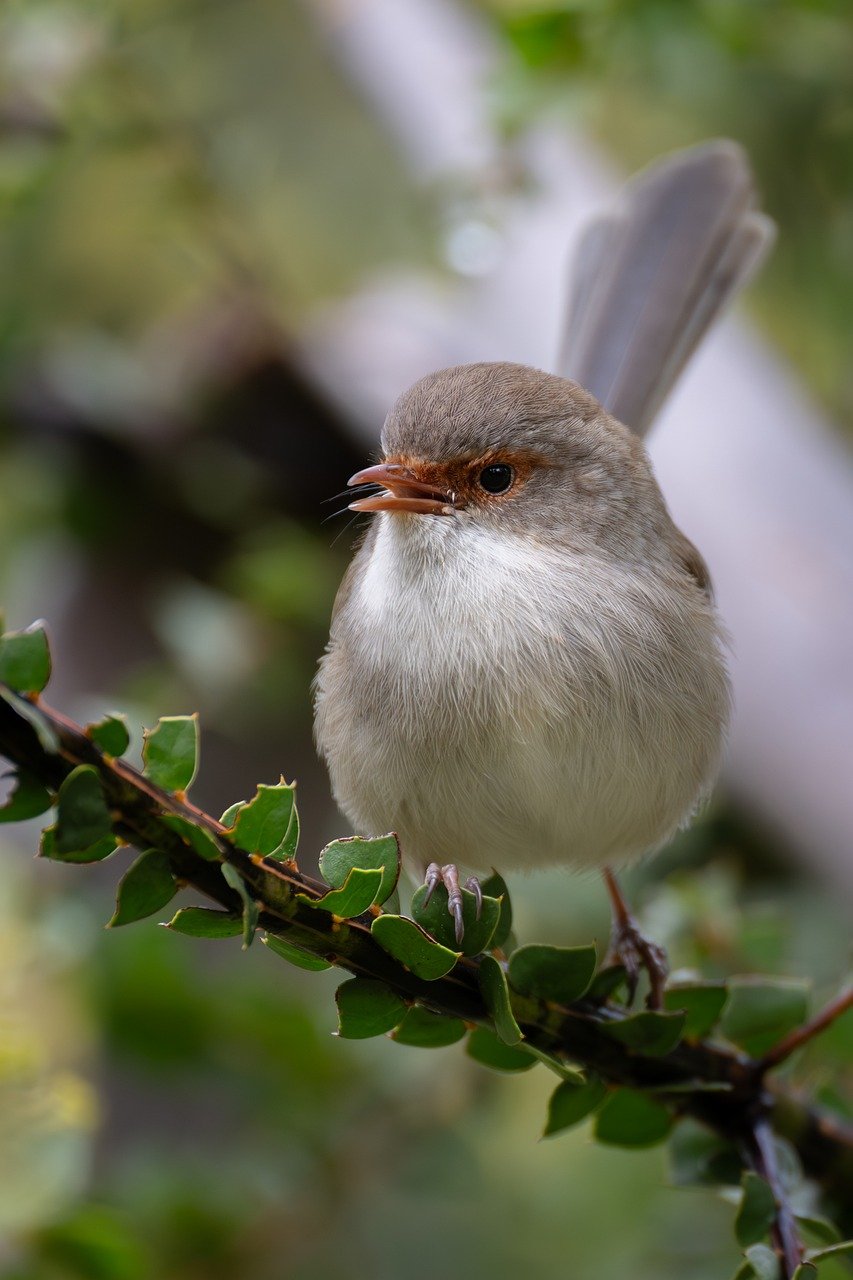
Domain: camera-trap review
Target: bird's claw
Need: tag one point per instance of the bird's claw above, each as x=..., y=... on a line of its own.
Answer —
x=448, y=875
x=632, y=949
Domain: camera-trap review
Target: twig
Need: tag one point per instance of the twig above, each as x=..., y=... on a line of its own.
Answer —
x=783, y=1232
x=801, y=1035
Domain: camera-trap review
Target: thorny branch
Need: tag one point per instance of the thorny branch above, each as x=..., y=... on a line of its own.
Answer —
x=747, y=1109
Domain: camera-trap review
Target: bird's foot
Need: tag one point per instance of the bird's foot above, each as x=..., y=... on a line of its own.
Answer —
x=634, y=951
x=449, y=877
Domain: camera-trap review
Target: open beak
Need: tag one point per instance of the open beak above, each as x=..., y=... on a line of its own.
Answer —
x=403, y=491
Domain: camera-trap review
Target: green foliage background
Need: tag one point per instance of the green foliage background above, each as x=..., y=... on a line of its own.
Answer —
x=181, y=183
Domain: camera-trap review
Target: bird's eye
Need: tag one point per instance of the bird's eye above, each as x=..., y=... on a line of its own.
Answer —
x=496, y=478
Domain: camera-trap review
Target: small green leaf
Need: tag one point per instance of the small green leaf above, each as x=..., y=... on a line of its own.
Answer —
x=428, y=1030
x=289, y=845
x=28, y=799
x=484, y=1047
x=367, y=1008
x=607, y=981
x=204, y=922
x=382, y=853
x=110, y=735
x=264, y=824
x=699, y=1157
x=805, y=1271
x=561, y=974
x=702, y=1002
x=170, y=752
x=821, y=1230
x=762, y=1010
x=651, y=1033
x=414, y=948
x=353, y=899
x=763, y=1261
x=842, y=1249
x=756, y=1212
x=250, y=907
x=198, y=838
x=570, y=1103
x=295, y=955
x=493, y=985
x=95, y=853
x=495, y=887
x=146, y=887
x=82, y=817
x=41, y=727
x=632, y=1119
x=25, y=659
x=438, y=922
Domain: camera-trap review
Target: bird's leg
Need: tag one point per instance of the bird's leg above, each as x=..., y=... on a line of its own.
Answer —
x=449, y=877
x=630, y=947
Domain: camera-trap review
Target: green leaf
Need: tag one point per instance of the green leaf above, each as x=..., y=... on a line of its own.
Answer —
x=570, y=1103
x=561, y=974
x=264, y=824
x=438, y=922
x=484, y=1047
x=27, y=800
x=651, y=1033
x=843, y=1249
x=41, y=727
x=198, y=838
x=353, y=899
x=95, y=853
x=493, y=985
x=414, y=948
x=632, y=1119
x=204, y=922
x=25, y=659
x=295, y=955
x=82, y=817
x=699, y=1157
x=607, y=981
x=805, y=1271
x=381, y=853
x=170, y=752
x=289, y=845
x=763, y=1261
x=821, y=1230
x=495, y=887
x=250, y=907
x=761, y=1011
x=146, y=887
x=110, y=735
x=367, y=1008
x=428, y=1030
x=757, y=1210
x=702, y=1002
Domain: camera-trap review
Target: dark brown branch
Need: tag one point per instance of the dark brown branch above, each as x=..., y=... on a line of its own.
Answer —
x=572, y=1034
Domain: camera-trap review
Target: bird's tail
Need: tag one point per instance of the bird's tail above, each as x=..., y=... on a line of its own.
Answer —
x=651, y=277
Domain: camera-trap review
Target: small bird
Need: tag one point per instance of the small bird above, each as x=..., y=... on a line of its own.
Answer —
x=526, y=666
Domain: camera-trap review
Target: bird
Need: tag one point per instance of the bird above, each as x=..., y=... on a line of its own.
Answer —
x=526, y=666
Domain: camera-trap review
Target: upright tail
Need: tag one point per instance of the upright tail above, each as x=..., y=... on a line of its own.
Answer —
x=651, y=277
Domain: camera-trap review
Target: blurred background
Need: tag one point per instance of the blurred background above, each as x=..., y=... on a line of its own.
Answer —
x=230, y=234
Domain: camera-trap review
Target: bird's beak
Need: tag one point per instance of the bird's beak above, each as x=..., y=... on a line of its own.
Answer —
x=403, y=491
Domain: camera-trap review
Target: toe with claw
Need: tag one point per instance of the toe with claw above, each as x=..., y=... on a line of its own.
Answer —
x=448, y=875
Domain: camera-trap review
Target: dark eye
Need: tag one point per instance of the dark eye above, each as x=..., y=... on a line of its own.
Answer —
x=497, y=478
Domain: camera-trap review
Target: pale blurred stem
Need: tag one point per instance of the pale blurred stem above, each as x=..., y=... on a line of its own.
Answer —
x=783, y=1233
x=573, y=1034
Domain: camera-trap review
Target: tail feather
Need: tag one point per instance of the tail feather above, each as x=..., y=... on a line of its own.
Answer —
x=651, y=278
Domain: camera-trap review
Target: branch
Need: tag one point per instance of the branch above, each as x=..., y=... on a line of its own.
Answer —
x=717, y=1085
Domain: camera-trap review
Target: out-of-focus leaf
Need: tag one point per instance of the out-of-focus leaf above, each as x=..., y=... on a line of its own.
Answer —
x=294, y=955
x=428, y=1030
x=493, y=985
x=367, y=1008
x=561, y=974
x=110, y=735
x=805, y=1271
x=700, y=1157
x=200, y=840
x=250, y=907
x=205, y=922
x=25, y=659
x=570, y=1103
x=263, y=825
x=170, y=752
x=353, y=899
x=414, y=948
x=607, y=981
x=484, y=1047
x=762, y=1010
x=146, y=887
x=629, y=1118
x=702, y=1002
x=27, y=800
x=437, y=921
x=654, y=1034
x=95, y=853
x=495, y=887
x=821, y=1230
x=842, y=1249
x=757, y=1210
x=764, y=1263
x=82, y=816
x=381, y=853
x=41, y=727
